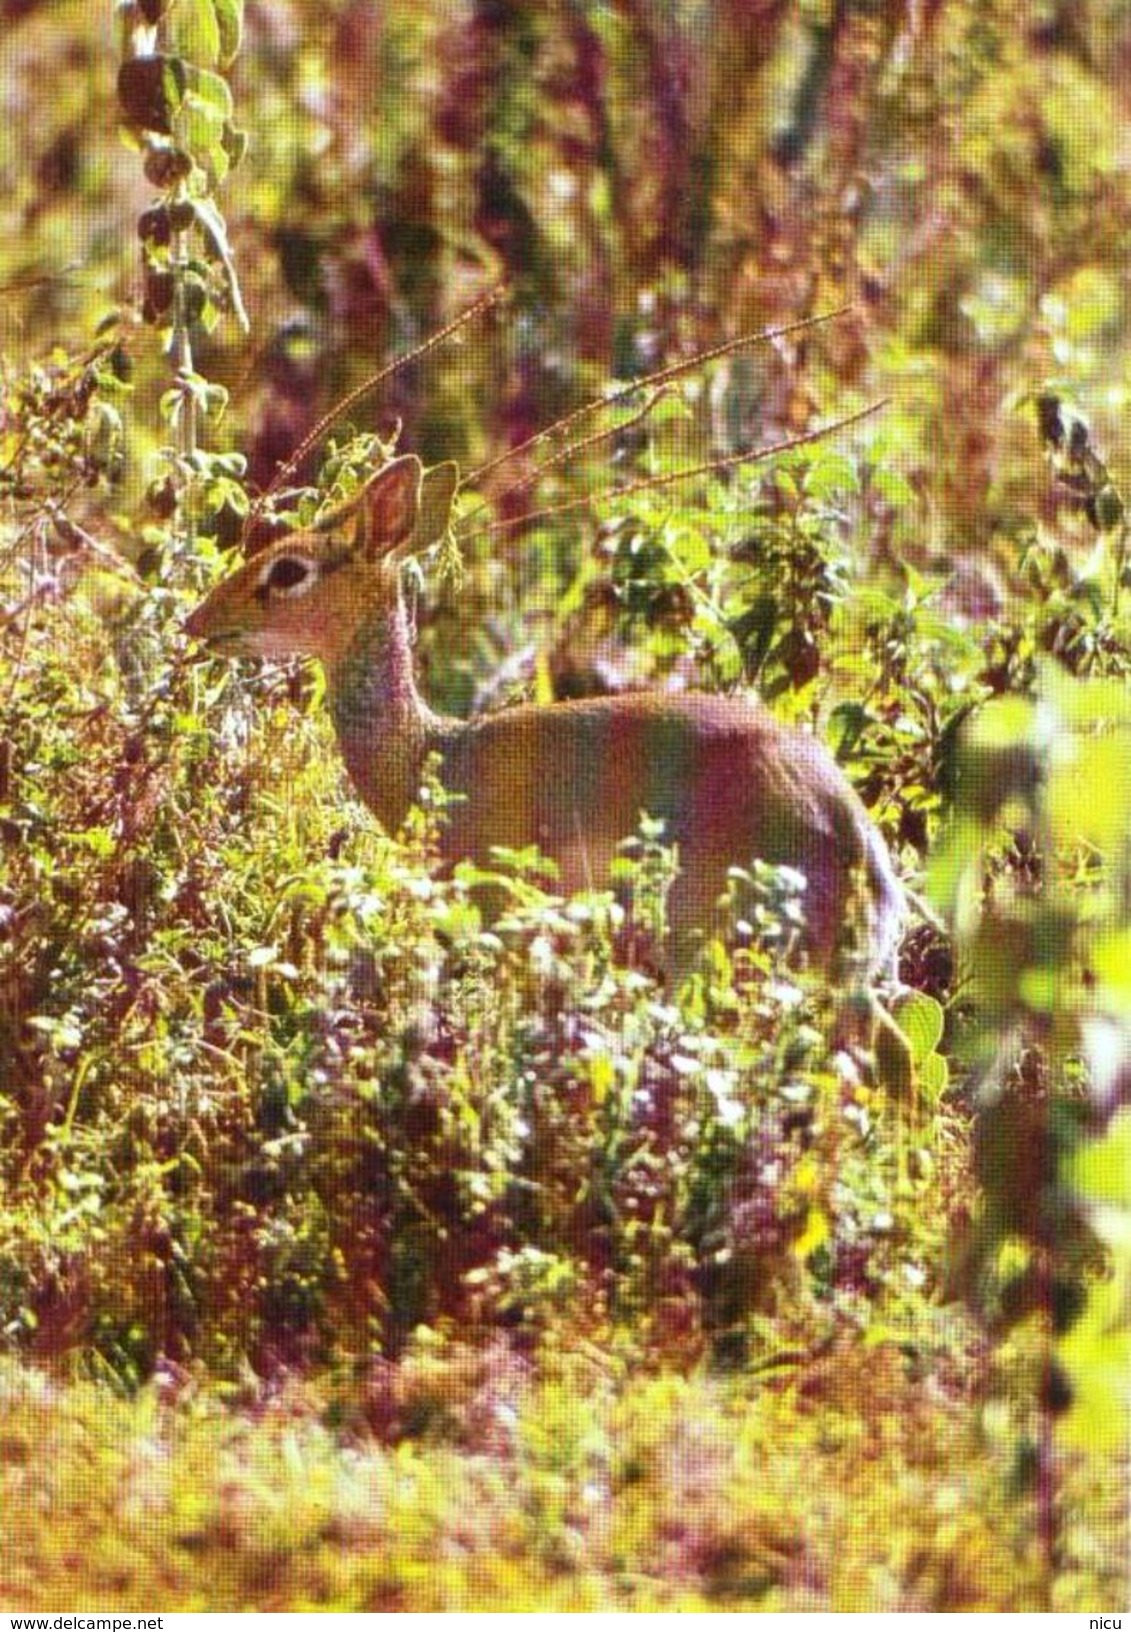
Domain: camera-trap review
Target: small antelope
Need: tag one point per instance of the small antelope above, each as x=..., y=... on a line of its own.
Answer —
x=728, y=780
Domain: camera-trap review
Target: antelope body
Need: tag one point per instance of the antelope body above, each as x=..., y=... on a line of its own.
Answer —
x=728, y=780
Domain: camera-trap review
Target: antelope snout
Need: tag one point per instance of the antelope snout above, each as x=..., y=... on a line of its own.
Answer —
x=202, y=624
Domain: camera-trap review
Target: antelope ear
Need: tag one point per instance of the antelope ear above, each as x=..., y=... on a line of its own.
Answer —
x=390, y=508
x=437, y=491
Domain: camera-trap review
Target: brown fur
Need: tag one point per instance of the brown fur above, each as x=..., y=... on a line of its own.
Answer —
x=730, y=783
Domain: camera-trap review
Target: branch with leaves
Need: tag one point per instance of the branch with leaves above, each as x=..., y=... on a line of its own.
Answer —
x=176, y=109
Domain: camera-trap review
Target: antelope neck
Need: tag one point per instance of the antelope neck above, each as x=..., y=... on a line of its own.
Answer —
x=384, y=727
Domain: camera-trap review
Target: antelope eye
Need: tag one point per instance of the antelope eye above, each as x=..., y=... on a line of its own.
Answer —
x=286, y=573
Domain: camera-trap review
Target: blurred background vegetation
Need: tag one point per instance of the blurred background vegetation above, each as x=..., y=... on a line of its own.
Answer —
x=650, y=180
x=322, y=1203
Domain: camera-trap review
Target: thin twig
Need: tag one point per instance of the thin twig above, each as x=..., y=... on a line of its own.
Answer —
x=648, y=484
x=661, y=377
x=470, y=313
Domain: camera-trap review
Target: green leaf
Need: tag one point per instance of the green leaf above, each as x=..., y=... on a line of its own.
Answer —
x=830, y=476
x=1101, y=1171
x=689, y=547
x=1112, y=960
x=753, y=631
x=215, y=230
x=63, y=1033
x=211, y=89
x=920, y=1019
x=1097, y=1356
x=847, y=724
x=235, y=145
x=202, y=131
x=229, y=21
x=934, y=1077
x=196, y=31
x=1102, y=702
x=891, y=485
